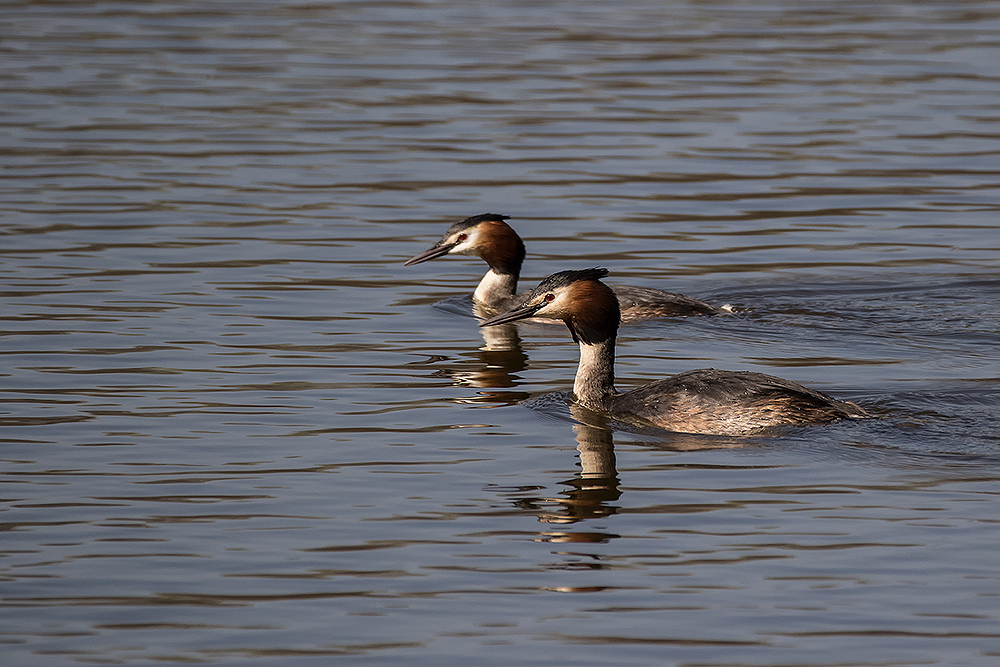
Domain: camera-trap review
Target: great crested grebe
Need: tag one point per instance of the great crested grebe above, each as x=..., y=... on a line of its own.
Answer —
x=487, y=236
x=705, y=401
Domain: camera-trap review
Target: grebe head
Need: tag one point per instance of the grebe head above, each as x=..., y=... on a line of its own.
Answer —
x=486, y=236
x=579, y=298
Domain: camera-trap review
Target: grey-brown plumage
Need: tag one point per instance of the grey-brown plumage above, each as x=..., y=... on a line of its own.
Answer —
x=700, y=401
x=730, y=402
x=489, y=237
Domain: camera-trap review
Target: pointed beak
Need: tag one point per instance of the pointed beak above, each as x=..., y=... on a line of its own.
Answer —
x=437, y=250
x=512, y=315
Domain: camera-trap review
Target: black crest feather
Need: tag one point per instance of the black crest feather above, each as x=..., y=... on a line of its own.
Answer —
x=564, y=278
x=475, y=220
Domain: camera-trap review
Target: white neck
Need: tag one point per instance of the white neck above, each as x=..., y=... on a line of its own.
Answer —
x=595, y=376
x=495, y=288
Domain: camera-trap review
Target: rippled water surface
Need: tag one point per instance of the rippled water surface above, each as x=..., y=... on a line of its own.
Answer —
x=236, y=430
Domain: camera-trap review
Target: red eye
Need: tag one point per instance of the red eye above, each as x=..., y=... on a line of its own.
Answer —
x=462, y=237
x=550, y=296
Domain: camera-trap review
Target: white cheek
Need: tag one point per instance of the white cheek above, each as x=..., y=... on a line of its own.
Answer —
x=465, y=247
x=551, y=308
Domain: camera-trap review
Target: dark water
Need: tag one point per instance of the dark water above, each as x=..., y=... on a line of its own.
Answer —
x=237, y=431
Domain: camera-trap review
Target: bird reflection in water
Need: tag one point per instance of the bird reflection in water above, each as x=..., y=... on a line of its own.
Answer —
x=493, y=367
x=590, y=494
x=593, y=493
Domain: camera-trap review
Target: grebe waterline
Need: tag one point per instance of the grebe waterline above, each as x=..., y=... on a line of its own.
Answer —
x=489, y=237
x=706, y=401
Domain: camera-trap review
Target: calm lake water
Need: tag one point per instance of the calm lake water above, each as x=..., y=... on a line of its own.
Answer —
x=236, y=430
